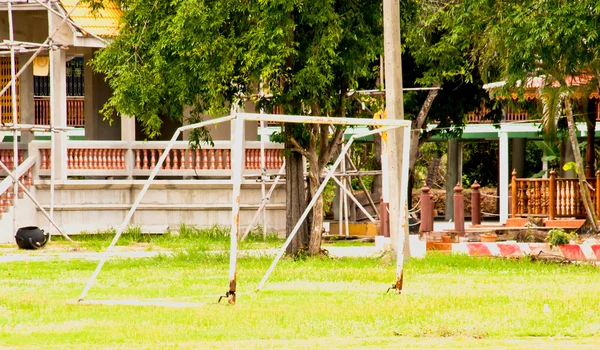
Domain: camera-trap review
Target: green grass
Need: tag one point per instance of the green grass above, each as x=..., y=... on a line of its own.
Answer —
x=448, y=301
x=187, y=237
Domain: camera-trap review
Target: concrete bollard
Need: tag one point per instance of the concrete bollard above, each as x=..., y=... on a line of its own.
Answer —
x=475, y=204
x=459, y=210
x=426, y=209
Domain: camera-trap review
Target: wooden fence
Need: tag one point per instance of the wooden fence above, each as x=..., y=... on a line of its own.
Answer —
x=552, y=197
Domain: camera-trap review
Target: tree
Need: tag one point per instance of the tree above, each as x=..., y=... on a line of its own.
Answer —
x=306, y=55
x=431, y=62
x=553, y=41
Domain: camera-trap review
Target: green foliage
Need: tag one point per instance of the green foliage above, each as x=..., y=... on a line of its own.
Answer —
x=206, y=54
x=328, y=196
x=559, y=236
x=480, y=162
x=571, y=166
x=533, y=165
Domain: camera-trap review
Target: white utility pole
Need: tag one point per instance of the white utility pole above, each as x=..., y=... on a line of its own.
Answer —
x=395, y=110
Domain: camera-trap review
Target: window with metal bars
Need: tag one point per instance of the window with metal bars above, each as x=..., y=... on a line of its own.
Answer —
x=75, y=82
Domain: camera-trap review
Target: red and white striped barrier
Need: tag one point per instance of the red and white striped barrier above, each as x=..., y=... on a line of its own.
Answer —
x=574, y=252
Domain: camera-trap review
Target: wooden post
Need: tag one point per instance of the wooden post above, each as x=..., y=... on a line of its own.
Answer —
x=426, y=210
x=384, y=229
x=475, y=204
x=459, y=210
x=514, y=199
x=552, y=196
x=597, y=193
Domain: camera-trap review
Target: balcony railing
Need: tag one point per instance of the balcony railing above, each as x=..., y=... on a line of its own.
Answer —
x=124, y=159
x=552, y=197
x=511, y=116
x=75, y=111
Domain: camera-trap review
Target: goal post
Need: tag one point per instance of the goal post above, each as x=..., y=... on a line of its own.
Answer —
x=237, y=120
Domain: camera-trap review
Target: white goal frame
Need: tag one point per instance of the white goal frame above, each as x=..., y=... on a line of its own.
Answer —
x=237, y=119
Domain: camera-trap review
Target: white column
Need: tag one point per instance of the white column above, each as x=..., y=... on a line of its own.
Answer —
x=58, y=107
x=503, y=182
x=128, y=135
x=26, y=95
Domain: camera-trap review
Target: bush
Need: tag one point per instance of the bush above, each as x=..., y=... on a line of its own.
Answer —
x=559, y=236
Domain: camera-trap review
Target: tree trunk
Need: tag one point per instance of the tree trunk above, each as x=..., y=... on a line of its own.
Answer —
x=432, y=171
x=590, y=163
x=314, y=245
x=585, y=192
x=295, y=201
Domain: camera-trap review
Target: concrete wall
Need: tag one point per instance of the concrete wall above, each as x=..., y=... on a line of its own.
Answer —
x=26, y=216
x=97, y=92
x=98, y=205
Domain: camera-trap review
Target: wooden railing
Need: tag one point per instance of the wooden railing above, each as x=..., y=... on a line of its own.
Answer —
x=552, y=197
x=511, y=116
x=75, y=111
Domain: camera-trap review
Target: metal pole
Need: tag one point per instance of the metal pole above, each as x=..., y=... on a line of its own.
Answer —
x=303, y=217
x=362, y=185
x=341, y=207
x=141, y=196
x=52, y=170
x=345, y=196
x=71, y=22
x=264, y=201
x=37, y=204
x=403, y=205
x=349, y=194
x=52, y=135
x=39, y=50
x=312, y=203
x=263, y=168
x=302, y=119
x=237, y=166
x=13, y=85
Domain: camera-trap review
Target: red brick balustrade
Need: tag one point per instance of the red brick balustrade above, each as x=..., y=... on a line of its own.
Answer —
x=6, y=156
x=147, y=158
x=7, y=198
x=273, y=158
x=89, y=158
x=183, y=159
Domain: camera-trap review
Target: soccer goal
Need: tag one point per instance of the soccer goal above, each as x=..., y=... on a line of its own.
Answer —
x=237, y=122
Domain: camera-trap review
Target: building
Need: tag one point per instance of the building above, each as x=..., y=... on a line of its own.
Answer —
x=99, y=167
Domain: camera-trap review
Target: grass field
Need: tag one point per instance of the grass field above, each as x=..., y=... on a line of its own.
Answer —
x=448, y=302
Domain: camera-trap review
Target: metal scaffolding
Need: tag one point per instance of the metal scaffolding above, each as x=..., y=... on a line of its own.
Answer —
x=13, y=47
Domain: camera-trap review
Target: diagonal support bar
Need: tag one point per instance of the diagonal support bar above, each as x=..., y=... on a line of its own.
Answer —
x=39, y=50
x=141, y=196
x=314, y=200
x=37, y=204
x=360, y=206
x=263, y=204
